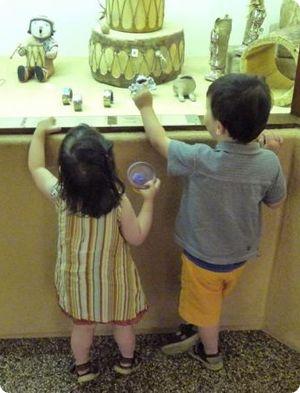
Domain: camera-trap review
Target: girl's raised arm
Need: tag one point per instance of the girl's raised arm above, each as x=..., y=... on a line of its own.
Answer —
x=43, y=178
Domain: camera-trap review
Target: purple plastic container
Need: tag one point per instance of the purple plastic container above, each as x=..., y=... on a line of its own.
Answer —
x=139, y=173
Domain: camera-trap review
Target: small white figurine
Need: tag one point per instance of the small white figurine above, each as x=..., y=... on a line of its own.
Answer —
x=40, y=50
x=184, y=87
x=140, y=82
x=67, y=95
x=77, y=102
x=108, y=98
x=219, y=39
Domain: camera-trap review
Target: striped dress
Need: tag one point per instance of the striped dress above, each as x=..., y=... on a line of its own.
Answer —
x=95, y=276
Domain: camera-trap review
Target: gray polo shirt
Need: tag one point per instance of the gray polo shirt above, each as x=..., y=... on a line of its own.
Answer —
x=219, y=220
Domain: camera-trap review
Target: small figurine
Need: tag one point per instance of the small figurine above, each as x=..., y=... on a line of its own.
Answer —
x=142, y=81
x=218, y=47
x=67, y=95
x=108, y=98
x=77, y=102
x=255, y=19
x=184, y=87
x=40, y=50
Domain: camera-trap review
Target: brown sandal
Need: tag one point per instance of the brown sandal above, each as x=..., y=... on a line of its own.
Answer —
x=126, y=366
x=92, y=371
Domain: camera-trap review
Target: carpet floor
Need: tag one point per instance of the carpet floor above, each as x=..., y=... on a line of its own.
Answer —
x=254, y=363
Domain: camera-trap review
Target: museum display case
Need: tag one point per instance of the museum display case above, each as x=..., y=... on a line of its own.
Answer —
x=133, y=37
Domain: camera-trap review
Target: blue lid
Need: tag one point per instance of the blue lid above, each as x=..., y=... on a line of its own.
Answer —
x=139, y=178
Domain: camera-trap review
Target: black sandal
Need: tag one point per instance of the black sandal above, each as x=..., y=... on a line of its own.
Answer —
x=126, y=366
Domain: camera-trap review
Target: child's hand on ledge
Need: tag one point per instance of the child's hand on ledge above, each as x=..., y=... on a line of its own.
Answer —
x=143, y=99
x=268, y=140
x=47, y=126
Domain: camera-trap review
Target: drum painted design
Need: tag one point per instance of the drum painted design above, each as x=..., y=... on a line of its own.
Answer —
x=35, y=56
x=160, y=57
x=135, y=16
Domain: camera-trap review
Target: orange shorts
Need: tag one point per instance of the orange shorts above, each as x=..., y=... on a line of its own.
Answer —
x=202, y=292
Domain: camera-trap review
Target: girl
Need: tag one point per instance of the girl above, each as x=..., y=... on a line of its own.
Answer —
x=95, y=276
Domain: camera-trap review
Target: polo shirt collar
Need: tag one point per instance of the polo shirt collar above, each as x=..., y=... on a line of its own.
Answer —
x=238, y=148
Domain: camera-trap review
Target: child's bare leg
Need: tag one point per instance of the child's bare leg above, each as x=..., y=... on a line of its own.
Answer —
x=125, y=338
x=81, y=342
x=209, y=336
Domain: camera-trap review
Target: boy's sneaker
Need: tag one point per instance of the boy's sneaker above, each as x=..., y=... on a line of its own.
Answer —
x=212, y=362
x=126, y=366
x=186, y=336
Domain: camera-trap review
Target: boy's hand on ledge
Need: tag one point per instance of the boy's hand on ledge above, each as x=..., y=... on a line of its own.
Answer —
x=47, y=126
x=268, y=140
x=143, y=99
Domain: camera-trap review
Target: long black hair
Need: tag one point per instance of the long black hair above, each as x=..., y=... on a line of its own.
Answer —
x=87, y=180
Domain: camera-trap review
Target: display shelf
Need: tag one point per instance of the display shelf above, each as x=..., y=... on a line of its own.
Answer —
x=23, y=104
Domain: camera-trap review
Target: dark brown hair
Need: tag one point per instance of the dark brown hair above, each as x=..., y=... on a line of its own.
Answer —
x=242, y=103
x=87, y=180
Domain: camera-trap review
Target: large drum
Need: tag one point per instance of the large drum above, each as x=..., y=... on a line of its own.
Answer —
x=260, y=58
x=35, y=55
x=135, y=16
x=117, y=58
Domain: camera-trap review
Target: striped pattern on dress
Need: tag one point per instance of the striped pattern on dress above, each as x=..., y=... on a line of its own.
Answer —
x=95, y=276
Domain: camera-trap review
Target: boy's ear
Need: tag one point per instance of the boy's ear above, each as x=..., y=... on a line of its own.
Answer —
x=220, y=129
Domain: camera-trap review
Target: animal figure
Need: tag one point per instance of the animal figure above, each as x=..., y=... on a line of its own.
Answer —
x=184, y=87
x=40, y=50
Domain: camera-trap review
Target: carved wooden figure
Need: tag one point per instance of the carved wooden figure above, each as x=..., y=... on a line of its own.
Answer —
x=219, y=47
x=40, y=50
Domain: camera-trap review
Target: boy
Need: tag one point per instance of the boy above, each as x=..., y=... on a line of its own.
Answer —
x=219, y=221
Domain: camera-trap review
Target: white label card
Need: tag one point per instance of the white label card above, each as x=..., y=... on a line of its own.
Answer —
x=134, y=52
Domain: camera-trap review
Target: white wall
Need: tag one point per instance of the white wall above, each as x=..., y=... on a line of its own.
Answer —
x=74, y=21
x=198, y=16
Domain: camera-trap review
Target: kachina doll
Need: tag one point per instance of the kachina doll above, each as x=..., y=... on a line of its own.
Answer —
x=40, y=50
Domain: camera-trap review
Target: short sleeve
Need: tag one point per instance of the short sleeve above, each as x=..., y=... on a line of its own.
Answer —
x=277, y=190
x=181, y=158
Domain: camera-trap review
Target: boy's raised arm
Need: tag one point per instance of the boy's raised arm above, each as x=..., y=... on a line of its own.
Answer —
x=154, y=130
